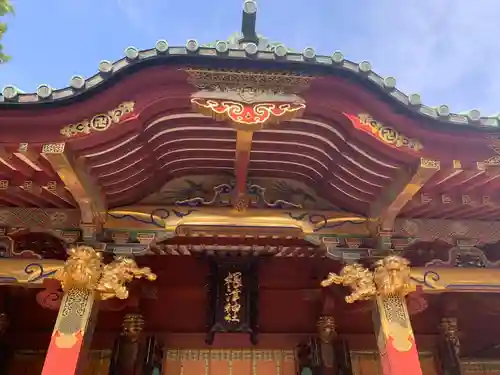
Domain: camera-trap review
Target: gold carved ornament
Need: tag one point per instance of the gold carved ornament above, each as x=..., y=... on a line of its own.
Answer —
x=247, y=114
x=391, y=276
x=99, y=122
x=386, y=134
x=233, y=284
x=388, y=283
x=85, y=270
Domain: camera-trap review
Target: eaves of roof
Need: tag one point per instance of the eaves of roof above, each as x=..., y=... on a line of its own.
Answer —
x=250, y=57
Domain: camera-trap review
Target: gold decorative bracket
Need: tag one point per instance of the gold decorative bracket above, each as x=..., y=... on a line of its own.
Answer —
x=80, y=184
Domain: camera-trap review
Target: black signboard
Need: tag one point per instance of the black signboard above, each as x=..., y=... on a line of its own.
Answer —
x=233, y=288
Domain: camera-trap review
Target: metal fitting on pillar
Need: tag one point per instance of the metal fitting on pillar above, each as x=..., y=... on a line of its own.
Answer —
x=132, y=326
x=450, y=332
x=327, y=328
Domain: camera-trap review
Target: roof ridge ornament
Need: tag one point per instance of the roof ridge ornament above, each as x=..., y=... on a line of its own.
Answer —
x=248, y=22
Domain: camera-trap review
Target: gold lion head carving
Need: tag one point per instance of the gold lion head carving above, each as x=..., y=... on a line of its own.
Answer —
x=82, y=268
x=392, y=276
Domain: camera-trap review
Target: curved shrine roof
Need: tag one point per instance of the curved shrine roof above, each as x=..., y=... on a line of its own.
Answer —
x=339, y=145
x=264, y=56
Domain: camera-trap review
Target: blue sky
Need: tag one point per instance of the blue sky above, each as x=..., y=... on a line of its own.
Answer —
x=446, y=50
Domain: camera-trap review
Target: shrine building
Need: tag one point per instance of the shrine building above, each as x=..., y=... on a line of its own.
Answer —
x=242, y=208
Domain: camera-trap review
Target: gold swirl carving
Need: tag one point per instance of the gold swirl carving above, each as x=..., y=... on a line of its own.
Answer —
x=233, y=284
x=99, y=122
x=85, y=270
x=248, y=115
x=390, y=277
x=385, y=133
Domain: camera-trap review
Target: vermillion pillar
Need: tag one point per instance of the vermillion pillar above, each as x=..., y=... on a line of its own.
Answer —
x=85, y=280
x=66, y=354
x=396, y=342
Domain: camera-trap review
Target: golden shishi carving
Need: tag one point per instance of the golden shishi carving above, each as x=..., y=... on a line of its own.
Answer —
x=117, y=274
x=356, y=277
x=84, y=270
x=391, y=276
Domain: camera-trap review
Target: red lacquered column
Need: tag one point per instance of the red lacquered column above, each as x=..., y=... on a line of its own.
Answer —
x=396, y=342
x=67, y=352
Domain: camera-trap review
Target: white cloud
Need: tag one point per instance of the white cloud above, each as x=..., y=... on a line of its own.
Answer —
x=444, y=49
x=138, y=13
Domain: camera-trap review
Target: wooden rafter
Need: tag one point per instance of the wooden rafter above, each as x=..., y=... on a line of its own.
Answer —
x=385, y=209
x=79, y=183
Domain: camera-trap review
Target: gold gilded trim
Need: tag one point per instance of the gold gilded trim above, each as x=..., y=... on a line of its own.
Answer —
x=394, y=323
x=280, y=222
x=100, y=122
x=32, y=272
x=392, y=275
x=383, y=133
x=248, y=116
x=259, y=82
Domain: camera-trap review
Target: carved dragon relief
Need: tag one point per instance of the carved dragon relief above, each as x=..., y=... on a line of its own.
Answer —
x=222, y=195
x=218, y=191
x=391, y=276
